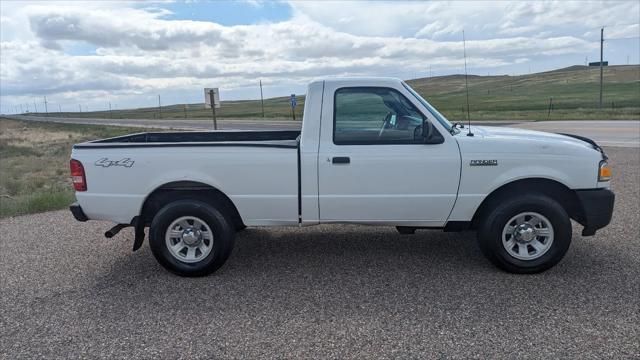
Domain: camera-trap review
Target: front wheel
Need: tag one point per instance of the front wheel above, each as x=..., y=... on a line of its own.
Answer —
x=525, y=234
x=191, y=238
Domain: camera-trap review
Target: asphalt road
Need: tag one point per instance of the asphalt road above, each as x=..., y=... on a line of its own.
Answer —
x=181, y=124
x=624, y=133
x=320, y=292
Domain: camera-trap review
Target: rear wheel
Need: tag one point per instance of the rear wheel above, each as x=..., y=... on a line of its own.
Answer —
x=191, y=238
x=525, y=234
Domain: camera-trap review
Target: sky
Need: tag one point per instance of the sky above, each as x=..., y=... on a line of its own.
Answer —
x=89, y=54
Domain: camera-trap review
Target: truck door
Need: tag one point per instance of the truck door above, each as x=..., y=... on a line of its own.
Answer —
x=373, y=164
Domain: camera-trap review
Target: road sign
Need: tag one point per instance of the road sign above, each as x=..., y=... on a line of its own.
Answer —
x=207, y=97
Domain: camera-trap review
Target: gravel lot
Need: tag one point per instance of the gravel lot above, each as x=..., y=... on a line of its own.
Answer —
x=329, y=291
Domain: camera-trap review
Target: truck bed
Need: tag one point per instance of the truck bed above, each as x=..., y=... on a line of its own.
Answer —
x=286, y=139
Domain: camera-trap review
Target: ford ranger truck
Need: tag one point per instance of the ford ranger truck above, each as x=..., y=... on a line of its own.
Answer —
x=371, y=151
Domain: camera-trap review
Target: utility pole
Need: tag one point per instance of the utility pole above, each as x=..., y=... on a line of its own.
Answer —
x=35, y=106
x=46, y=111
x=261, y=99
x=601, y=46
x=185, y=111
x=159, y=108
x=110, y=112
x=430, y=71
x=59, y=108
x=27, y=107
x=21, y=109
x=213, y=109
x=80, y=107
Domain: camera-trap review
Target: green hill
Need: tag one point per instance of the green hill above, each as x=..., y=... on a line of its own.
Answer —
x=573, y=93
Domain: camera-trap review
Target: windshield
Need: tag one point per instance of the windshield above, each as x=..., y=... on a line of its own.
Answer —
x=441, y=119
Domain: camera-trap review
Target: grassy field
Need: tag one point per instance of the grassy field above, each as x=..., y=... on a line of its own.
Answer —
x=34, y=163
x=574, y=92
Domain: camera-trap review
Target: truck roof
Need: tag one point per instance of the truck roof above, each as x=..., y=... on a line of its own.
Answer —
x=358, y=80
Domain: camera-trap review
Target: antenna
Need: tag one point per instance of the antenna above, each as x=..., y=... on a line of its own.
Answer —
x=466, y=83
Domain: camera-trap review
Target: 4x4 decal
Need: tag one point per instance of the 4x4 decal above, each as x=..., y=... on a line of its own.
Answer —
x=105, y=162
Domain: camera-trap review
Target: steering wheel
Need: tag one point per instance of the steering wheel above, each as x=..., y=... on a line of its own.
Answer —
x=387, y=120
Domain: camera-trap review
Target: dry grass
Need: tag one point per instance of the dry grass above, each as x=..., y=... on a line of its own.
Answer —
x=34, y=163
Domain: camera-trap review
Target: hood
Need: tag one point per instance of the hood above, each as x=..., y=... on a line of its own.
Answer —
x=506, y=133
x=511, y=140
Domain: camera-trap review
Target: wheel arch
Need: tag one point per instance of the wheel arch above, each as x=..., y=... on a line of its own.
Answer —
x=179, y=190
x=566, y=197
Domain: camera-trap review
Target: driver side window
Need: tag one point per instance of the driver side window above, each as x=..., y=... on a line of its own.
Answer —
x=375, y=115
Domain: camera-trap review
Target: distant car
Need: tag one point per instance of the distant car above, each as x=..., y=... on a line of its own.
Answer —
x=371, y=151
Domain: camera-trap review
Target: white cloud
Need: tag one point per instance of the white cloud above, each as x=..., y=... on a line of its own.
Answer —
x=624, y=31
x=480, y=19
x=140, y=51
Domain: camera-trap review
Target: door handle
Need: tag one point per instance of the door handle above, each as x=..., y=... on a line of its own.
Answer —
x=341, y=160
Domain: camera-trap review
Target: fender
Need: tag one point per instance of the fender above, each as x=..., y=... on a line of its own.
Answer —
x=187, y=177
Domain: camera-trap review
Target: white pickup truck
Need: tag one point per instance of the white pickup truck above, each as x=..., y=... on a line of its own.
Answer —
x=371, y=151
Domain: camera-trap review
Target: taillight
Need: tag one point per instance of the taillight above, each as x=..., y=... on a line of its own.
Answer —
x=77, y=175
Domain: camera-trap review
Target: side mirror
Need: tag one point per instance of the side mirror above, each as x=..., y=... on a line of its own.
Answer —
x=427, y=133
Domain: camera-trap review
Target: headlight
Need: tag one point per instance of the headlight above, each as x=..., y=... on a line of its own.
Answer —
x=604, y=171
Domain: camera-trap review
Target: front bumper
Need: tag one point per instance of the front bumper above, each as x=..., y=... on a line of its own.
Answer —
x=77, y=212
x=597, y=209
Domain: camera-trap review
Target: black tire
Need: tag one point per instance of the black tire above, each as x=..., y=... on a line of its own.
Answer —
x=493, y=222
x=223, y=237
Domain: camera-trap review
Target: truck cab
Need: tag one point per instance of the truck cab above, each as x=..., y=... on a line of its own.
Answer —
x=371, y=151
x=376, y=161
